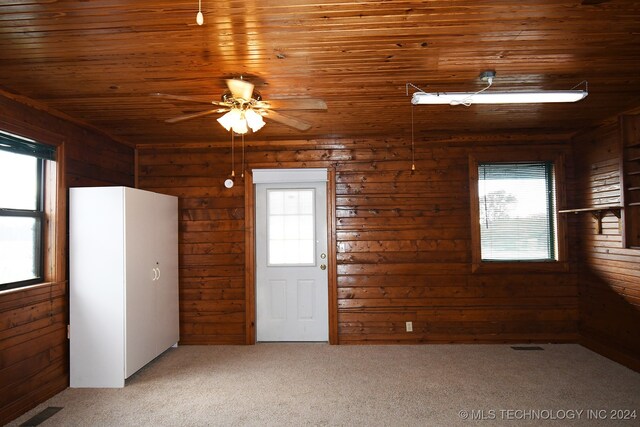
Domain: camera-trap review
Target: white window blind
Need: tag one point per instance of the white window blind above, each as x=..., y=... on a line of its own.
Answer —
x=517, y=211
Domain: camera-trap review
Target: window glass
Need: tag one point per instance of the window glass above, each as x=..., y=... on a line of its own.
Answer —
x=20, y=249
x=291, y=227
x=21, y=210
x=18, y=181
x=517, y=213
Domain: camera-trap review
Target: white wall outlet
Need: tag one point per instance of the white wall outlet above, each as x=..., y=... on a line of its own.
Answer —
x=409, y=326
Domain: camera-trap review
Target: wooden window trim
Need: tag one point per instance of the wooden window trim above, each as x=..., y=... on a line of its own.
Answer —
x=479, y=266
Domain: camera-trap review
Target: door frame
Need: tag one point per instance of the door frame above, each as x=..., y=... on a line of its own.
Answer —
x=250, y=255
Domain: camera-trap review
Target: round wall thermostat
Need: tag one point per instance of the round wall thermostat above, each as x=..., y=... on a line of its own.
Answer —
x=228, y=183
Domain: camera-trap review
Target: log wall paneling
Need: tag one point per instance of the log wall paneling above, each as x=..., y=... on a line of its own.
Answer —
x=402, y=244
x=34, y=356
x=609, y=273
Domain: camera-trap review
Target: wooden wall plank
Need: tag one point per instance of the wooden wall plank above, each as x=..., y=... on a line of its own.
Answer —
x=402, y=244
x=609, y=274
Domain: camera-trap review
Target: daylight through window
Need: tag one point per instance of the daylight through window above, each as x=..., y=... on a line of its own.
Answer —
x=21, y=210
x=517, y=211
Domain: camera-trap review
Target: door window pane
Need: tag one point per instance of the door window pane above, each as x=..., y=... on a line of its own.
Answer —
x=291, y=227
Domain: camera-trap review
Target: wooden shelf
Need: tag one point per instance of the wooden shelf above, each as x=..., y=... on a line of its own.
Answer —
x=633, y=159
x=633, y=173
x=634, y=145
x=606, y=208
x=634, y=204
x=633, y=188
x=598, y=213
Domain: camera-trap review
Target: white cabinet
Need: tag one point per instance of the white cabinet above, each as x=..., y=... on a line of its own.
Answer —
x=123, y=289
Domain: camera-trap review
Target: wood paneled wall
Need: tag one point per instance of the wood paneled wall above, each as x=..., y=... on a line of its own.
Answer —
x=34, y=357
x=609, y=274
x=403, y=243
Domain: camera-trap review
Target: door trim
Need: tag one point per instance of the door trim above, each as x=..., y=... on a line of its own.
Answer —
x=250, y=257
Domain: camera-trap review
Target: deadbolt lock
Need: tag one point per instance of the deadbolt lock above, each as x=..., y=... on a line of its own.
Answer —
x=323, y=256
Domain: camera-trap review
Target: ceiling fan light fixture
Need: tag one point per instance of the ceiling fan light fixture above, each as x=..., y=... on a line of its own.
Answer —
x=240, y=121
x=243, y=108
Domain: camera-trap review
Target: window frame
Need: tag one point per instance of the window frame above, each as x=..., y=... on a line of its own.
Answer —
x=478, y=265
x=50, y=187
x=39, y=215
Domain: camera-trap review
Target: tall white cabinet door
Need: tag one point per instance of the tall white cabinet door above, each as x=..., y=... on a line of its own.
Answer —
x=96, y=293
x=141, y=278
x=166, y=245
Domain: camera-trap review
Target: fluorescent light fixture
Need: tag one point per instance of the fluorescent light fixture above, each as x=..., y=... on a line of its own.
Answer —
x=468, y=98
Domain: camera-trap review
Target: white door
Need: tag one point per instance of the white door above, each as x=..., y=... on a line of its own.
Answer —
x=166, y=261
x=291, y=262
x=140, y=296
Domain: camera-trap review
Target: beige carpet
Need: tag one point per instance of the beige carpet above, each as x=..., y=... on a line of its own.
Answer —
x=317, y=384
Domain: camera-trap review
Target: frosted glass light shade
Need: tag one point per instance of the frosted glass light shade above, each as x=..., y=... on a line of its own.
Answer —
x=229, y=119
x=254, y=120
x=240, y=121
x=240, y=127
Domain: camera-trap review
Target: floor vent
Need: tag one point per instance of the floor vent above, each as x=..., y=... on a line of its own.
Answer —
x=41, y=416
x=526, y=347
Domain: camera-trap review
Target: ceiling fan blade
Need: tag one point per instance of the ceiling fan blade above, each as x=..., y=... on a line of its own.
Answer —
x=287, y=120
x=240, y=89
x=200, y=99
x=194, y=115
x=294, y=104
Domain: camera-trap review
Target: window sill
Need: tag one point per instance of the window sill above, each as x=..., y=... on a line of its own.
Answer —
x=520, y=267
x=27, y=288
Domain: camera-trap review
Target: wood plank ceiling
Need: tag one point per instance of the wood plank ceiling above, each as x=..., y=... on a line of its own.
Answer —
x=99, y=60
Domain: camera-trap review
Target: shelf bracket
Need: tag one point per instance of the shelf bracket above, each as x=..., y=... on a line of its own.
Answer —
x=597, y=215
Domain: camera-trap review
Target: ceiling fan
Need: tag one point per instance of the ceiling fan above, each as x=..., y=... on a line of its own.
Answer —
x=245, y=108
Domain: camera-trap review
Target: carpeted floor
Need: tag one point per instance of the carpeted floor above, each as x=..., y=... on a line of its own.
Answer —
x=317, y=384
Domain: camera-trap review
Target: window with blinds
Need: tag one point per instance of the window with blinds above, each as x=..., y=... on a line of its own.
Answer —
x=517, y=211
x=22, y=213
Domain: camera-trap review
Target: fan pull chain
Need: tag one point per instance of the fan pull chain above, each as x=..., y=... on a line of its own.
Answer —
x=233, y=163
x=242, y=175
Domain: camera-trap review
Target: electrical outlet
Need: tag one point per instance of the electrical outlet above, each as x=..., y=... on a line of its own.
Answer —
x=409, y=326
